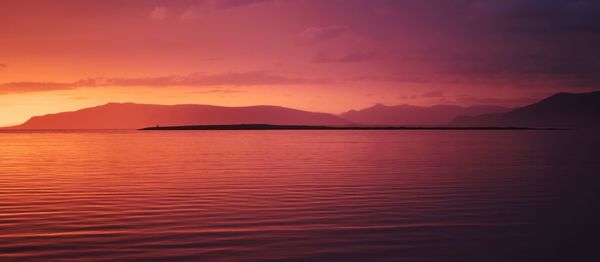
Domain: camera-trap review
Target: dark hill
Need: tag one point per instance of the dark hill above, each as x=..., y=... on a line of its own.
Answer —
x=415, y=115
x=133, y=116
x=562, y=110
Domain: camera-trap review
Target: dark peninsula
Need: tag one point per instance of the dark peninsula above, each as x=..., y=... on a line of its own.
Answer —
x=307, y=127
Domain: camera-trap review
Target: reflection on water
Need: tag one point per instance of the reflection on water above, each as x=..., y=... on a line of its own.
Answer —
x=298, y=195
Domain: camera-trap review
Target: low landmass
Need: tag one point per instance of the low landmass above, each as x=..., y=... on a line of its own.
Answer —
x=303, y=127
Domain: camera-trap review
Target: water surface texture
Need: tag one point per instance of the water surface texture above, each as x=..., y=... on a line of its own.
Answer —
x=298, y=195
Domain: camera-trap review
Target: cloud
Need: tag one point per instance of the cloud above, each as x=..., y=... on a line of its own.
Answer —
x=318, y=34
x=159, y=13
x=480, y=43
x=2, y=66
x=200, y=79
x=382, y=11
x=253, y=78
x=224, y=4
x=352, y=57
x=80, y=97
x=406, y=78
x=28, y=87
x=191, y=13
x=532, y=71
x=338, y=44
x=218, y=91
x=525, y=44
x=203, y=8
x=434, y=94
x=550, y=16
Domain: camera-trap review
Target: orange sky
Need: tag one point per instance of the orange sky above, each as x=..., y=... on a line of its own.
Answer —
x=328, y=55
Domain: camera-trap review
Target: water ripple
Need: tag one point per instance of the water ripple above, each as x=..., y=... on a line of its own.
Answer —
x=297, y=196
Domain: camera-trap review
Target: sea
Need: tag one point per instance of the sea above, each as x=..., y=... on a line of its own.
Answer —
x=300, y=195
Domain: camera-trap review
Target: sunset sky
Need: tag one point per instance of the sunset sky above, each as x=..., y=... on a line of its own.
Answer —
x=318, y=55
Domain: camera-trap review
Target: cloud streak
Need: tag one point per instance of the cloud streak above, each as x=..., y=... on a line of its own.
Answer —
x=218, y=91
x=254, y=78
x=224, y=4
x=434, y=94
x=352, y=57
x=318, y=34
x=159, y=13
x=201, y=9
x=30, y=87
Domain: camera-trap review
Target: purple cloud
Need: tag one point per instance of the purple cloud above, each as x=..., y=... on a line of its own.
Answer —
x=237, y=3
x=353, y=57
x=317, y=34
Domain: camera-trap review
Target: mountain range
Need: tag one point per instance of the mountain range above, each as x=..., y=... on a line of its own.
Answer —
x=562, y=110
x=415, y=115
x=133, y=116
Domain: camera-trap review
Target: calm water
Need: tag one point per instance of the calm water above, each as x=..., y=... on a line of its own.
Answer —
x=299, y=195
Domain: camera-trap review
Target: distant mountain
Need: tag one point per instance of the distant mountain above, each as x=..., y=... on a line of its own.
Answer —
x=133, y=116
x=415, y=115
x=562, y=110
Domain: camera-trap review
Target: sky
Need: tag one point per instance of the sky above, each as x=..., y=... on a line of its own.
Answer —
x=317, y=55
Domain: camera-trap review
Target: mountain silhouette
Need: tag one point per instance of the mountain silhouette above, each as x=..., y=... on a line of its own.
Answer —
x=562, y=110
x=133, y=116
x=415, y=115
